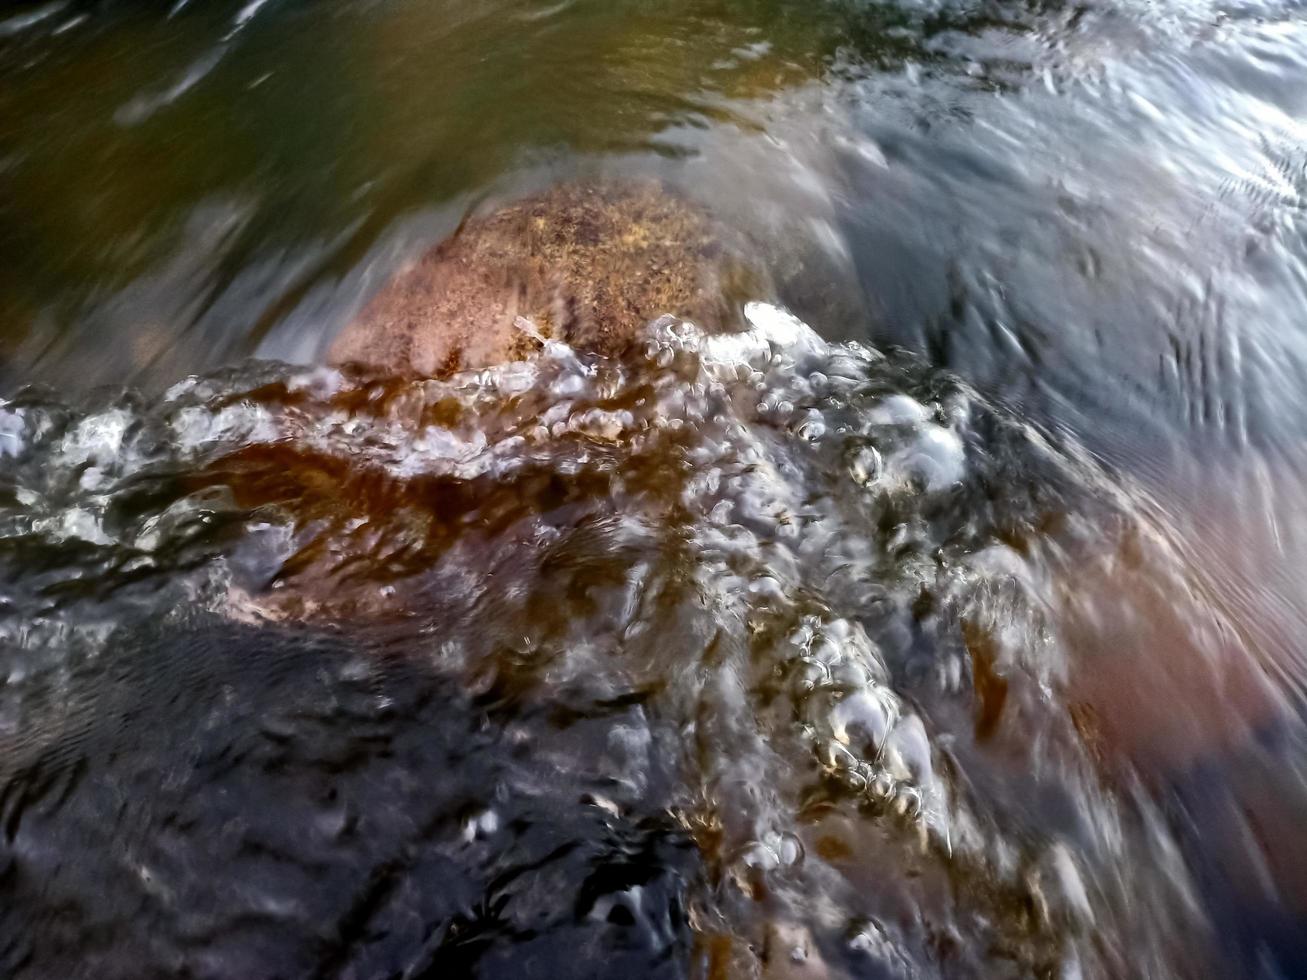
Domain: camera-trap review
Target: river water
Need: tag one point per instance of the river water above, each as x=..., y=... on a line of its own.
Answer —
x=945, y=621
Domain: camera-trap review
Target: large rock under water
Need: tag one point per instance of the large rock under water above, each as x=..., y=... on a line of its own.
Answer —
x=588, y=264
x=735, y=655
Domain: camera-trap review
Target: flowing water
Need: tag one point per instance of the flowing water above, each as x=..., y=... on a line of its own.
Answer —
x=944, y=621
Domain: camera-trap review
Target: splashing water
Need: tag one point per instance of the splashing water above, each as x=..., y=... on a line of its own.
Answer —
x=741, y=652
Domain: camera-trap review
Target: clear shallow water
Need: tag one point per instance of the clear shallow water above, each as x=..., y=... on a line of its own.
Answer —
x=978, y=660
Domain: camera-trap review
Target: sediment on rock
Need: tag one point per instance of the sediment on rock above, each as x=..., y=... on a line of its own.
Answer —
x=586, y=264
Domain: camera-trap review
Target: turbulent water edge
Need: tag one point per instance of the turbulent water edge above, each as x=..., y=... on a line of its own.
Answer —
x=744, y=636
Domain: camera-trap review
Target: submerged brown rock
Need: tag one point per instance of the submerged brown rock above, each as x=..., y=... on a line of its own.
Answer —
x=586, y=264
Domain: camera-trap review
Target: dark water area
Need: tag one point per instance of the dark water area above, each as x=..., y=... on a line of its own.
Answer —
x=328, y=816
x=950, y=629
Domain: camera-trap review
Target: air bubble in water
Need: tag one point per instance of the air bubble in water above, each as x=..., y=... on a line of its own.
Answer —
x=865, y=466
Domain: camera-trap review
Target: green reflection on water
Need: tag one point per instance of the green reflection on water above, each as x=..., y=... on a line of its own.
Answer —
x=295, y=123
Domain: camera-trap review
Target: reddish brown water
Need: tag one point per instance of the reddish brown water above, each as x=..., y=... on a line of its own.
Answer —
x=735, y=638
x=960, y=637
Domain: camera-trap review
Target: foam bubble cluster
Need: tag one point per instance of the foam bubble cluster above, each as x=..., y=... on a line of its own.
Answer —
x=795, y=543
